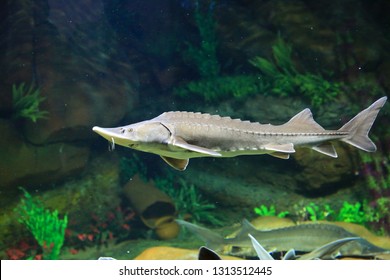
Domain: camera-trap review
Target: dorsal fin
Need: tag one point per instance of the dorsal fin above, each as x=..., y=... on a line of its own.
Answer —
x=246, y=228
x=304, y=119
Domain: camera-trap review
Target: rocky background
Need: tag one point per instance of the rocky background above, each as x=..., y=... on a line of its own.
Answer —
x=115, y=62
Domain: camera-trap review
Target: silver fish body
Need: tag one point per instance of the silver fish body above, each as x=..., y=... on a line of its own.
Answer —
x=179, y=136
x=303, y=238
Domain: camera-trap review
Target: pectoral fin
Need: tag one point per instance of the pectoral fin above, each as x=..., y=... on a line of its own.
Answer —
x=207, y=254
x=179, y=164
x=179, y=142
x=260, y=251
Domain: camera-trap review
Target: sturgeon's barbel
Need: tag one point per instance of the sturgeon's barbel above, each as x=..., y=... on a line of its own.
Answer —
x=179, y=136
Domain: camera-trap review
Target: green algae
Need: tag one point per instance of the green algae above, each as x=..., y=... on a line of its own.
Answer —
x=45, y=225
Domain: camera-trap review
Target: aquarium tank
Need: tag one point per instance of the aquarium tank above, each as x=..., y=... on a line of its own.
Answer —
x=128, y=126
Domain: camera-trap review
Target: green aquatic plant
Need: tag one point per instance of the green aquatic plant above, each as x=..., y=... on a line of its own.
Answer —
x=204, y=55
x=129, y=166
x=26, y=102
x=362, y=213
x=376, y=170
x=188, y=200
x=220, y=87
x=45, y=225
x=381, y=210
x=280, y=77
x=212, y=85
x=358, y=213
x=286, y=80
x=263, y=210
x=352, y=213
x=316, y=212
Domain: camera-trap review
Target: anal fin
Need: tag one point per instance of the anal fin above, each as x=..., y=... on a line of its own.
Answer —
x=179, y=164
x=326, y=149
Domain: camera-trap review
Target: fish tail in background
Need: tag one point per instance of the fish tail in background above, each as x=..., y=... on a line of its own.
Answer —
x=360, y=126
x=212, y=240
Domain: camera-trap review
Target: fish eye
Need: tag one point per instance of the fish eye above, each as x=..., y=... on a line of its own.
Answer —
x=130, y=130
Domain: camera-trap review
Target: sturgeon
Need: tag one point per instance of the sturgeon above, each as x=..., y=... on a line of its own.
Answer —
x=303, y=238
x=179, y=136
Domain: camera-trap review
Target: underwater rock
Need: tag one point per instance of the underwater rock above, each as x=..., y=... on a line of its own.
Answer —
x=23, y=163
x=244, y=182
x=249, y=181
x=89, y=198
x=79, y=66
x=242, y=35
x=304, y=29
x=271, y=222
x=359, y=42
x=247, y=34
x=83, y=199
x=320, y=175
x=328, y=36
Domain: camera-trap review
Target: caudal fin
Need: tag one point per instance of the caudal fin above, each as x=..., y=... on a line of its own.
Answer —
x=360, y=126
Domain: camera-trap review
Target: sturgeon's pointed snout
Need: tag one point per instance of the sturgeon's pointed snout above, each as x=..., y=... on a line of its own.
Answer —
x=113, y=135
x=107, y=133
x=99, y=130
